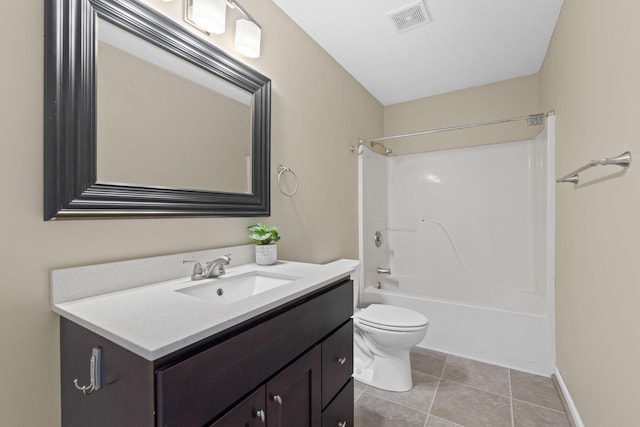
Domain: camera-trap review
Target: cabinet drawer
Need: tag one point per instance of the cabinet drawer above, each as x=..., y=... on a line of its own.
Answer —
x=198, y=389
x=248, y=413
x=337, y=361
x=339, y=413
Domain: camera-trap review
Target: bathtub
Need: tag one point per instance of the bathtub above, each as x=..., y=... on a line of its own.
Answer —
x=515, y=340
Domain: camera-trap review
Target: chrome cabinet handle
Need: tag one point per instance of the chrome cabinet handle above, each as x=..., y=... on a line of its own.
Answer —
x=260, y=415
x=342, y=424
x=341, y=360
x=277, y=399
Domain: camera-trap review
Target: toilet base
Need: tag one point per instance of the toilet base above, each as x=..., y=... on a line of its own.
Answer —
x=391, y=372
x=383, y=337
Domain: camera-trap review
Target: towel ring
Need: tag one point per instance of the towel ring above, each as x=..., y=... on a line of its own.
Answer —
x=281, y=170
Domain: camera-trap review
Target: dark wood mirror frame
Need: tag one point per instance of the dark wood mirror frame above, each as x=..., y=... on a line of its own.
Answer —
x=71, y=189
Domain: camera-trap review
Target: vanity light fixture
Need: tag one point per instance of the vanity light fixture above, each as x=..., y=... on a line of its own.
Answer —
x=209, y=16
x=248, y=38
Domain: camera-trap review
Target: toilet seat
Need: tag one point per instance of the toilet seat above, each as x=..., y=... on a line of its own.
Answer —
x=391, y=318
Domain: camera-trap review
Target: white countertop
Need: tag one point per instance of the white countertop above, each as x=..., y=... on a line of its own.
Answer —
x=155, y=320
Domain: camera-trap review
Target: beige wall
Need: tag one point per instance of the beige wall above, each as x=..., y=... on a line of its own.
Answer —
x=318, y=112
x=511, y=98
x=591, y=77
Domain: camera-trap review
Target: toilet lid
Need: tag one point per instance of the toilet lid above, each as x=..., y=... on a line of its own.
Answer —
x=390, y=315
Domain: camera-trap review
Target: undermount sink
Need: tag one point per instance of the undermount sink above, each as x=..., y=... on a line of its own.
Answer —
x=233, y=289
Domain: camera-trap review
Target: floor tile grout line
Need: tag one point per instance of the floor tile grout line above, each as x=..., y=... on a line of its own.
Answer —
x=477, y=388
x=540, y=406
x=433, y=400
x=448, y=421
x=395, y=403
x=361, y=393
x=367, y=387
x=442, y=379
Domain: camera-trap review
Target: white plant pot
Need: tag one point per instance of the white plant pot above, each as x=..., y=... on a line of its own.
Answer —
x=266, y=254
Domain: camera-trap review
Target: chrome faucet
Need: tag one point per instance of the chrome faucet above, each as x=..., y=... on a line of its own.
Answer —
x=213, y=268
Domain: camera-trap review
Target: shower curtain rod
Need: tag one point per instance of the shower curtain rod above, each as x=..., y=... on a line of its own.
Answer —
x=532, y=119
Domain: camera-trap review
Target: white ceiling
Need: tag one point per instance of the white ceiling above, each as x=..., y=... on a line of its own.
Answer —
x=468, y=43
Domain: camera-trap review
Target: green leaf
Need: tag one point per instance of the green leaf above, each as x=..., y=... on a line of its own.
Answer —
x=262, y=234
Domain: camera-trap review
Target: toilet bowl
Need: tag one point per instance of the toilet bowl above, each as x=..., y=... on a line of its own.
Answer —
x=383, y=337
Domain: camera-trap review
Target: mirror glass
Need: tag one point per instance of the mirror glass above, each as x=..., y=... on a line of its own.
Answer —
x=164, y=122
x=144, y=118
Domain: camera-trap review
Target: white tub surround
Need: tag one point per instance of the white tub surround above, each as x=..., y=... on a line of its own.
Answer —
x=514, y=340
x=469, y=241
x=153, y=319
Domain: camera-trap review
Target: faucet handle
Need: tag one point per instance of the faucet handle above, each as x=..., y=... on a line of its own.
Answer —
x=197, y=268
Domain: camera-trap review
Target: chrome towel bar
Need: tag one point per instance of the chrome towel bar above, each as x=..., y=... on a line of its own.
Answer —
x=623, y=160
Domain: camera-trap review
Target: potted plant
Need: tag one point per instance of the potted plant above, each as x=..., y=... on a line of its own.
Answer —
x=265, y=239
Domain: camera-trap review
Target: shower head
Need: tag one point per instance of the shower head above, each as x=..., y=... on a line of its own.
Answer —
x=387, y=151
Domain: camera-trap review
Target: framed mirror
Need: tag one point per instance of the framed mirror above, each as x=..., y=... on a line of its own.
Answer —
x=145, y=119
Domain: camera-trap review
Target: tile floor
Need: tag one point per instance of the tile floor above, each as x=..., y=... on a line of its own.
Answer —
x=450, y=391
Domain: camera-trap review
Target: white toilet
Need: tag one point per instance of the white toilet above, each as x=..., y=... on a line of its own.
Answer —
x=383, y=337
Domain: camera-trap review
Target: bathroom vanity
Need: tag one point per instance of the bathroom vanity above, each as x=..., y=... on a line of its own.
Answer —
x=284, y=363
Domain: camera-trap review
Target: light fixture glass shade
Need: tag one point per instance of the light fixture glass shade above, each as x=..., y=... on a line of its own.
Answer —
x=248, y=38
x=210, y=15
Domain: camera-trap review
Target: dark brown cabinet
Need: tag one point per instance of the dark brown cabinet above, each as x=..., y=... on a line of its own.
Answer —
x=339, y=413
x=337, y=361
x=288, y=399
x=293, y=396
x=289, y=367
x=337, y=385
x=248, y=413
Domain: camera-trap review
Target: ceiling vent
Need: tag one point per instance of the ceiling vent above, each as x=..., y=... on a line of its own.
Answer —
x=410, y=17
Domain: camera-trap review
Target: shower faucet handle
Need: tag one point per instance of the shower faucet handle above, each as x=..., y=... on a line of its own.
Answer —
x=377, y=239
x=383, y=270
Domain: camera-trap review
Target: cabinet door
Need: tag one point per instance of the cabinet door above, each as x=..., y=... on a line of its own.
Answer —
x=293, y=396
x=248, y=413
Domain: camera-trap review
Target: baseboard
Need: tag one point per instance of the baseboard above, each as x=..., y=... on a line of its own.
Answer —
x=572, y=411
